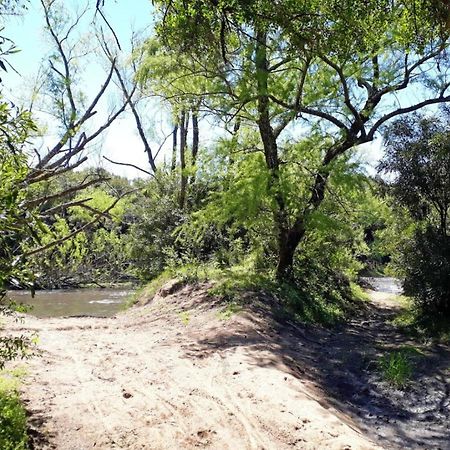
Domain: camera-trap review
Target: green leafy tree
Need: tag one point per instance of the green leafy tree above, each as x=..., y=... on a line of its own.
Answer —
x=17, y=222
x=417, y=155
x=417, y=161
x=293, y=68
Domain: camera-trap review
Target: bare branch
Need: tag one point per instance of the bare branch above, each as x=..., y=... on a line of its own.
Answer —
x=344, y=85
x=49, y=212
x=71, y=190
x=129, y=165
x=400, y=111
x=42, y=175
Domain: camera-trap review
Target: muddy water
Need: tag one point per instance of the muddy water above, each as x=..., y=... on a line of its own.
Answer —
x=73, y=302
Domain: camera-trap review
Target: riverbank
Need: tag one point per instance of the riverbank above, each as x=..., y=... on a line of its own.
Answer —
x=188, y=371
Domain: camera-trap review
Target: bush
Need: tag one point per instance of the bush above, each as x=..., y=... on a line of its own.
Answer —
x=13, y=423
x=427, y=271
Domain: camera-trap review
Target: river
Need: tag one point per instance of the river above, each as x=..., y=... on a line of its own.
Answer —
x=384, y=284
x=74, y=302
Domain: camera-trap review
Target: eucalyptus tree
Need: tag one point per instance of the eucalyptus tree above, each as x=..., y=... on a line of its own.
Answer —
x=338, y=69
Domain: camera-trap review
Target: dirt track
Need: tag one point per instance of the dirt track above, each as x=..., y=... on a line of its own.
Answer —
x=160, y=378
x=180, y=373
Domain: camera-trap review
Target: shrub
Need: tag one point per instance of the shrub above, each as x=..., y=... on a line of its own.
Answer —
x=13, y=423
x=427, y=271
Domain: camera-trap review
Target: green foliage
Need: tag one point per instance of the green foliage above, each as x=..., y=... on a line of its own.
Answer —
x=350, y=26
x=13, y=420
x=152, y=240
x=412, y=322
x=397, y=367
x=309, y=77
x=147, y=292
x=314, y=298
x=426, y=263
x=418, y=157
x=98, y=254
x=17, y=222
x=100, y=200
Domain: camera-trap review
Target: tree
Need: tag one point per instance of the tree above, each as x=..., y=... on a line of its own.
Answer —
x=292, y=66
x=417, y=161
x=170, y=77
x=417, y=156
x=17, y=222
x=26, y=203
x=74, y=113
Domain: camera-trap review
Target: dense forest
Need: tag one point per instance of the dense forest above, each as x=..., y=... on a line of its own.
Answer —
x=260, y=178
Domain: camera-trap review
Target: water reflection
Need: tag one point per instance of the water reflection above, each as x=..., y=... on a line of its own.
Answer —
x=73, y=302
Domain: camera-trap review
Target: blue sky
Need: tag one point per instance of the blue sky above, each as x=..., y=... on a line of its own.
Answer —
x=121, y=141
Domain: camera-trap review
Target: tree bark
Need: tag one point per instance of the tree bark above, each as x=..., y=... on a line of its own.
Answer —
x=290, y=235
x=288, y=240
x=195, y=142
x=174, y=148
x=184, y=121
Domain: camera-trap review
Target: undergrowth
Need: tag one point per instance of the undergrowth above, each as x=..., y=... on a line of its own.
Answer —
x=13, y=424
x=303, y=301
x=311, y=300
x=412, y=321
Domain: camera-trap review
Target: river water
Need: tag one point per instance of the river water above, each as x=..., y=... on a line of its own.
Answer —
x=107, y=302
x=384, y=284
x=73, y=302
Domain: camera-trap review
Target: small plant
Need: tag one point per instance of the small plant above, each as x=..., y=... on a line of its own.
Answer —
x=411, y=321
x=13, y=426
x=397, y=368
x=185, y=317
x=229, y=310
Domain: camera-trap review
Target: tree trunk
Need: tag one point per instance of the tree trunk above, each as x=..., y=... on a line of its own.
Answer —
x=288, y=245
x=174, y=148
x=290, y=235
x=184, y=121
x=195, y=141
x=287, y=241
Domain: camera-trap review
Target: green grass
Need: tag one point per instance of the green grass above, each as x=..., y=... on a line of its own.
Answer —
x=316, y=301
x=188, y=274
x=412, y=322
x=309, y=304
x=397, y=367
x=149, y=290
x=229, y=311
x=13, y=423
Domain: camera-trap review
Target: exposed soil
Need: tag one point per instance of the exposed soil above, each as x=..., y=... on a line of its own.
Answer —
x=183, y=373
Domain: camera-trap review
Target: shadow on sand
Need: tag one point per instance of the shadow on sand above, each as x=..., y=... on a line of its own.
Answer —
x=343, y=364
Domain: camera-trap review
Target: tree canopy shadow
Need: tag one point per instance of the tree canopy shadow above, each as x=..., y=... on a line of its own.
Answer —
x=343, y=363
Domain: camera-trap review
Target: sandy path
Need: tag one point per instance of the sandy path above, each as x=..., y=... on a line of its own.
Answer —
x=153, y=378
